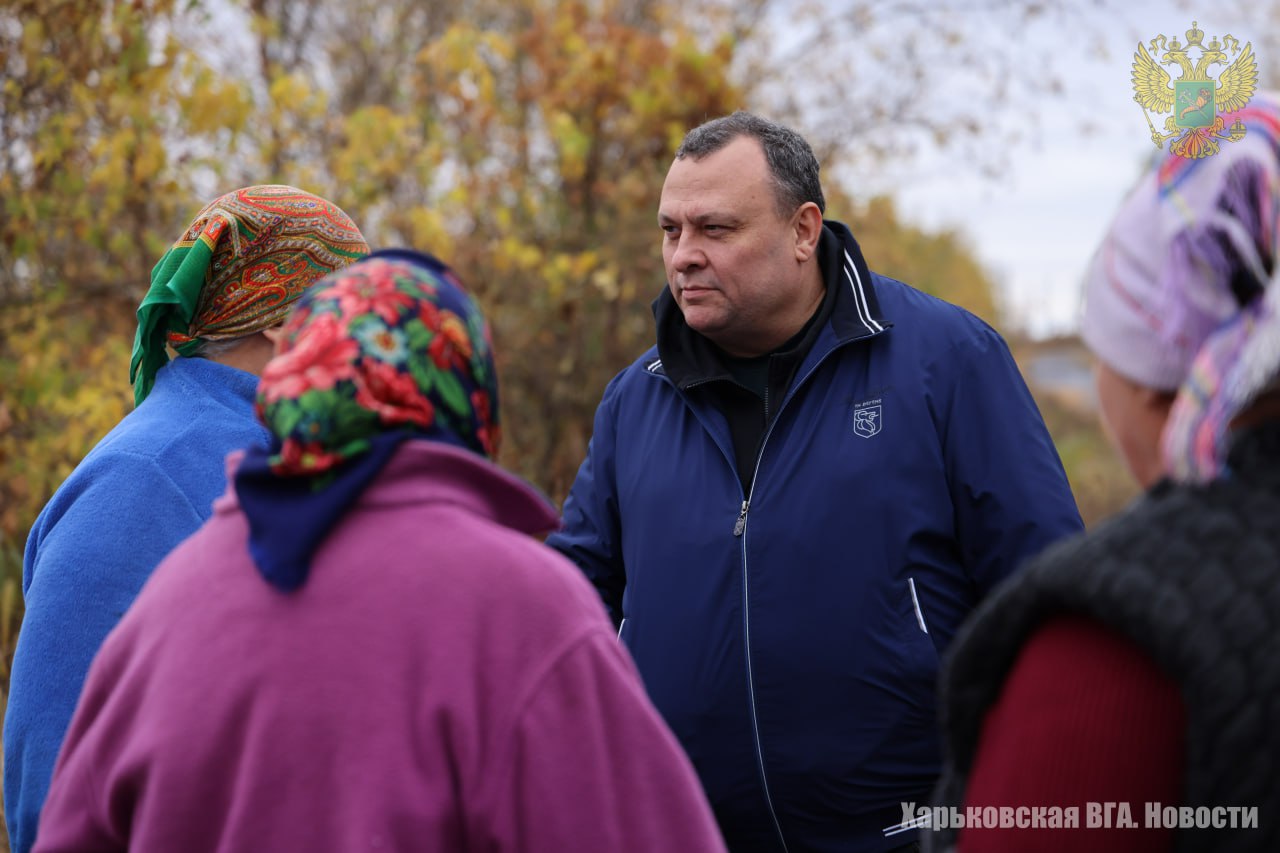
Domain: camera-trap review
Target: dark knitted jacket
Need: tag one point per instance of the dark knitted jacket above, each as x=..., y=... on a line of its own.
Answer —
x=1191, y=574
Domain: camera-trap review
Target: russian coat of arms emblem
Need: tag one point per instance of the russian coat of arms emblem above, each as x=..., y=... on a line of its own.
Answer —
x=1195, y=101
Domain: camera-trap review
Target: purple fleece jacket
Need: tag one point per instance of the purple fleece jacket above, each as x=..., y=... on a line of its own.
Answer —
x=441, y=682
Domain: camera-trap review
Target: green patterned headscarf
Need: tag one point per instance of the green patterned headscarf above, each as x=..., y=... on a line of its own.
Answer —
x=242, y=262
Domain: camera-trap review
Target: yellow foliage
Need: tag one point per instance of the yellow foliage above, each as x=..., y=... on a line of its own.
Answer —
x=93, y=104
x=937, y=263
x=64, y=373
x=213, y=104
x=148, y=159
x=294, y=93
x=454, y=49
x=428, y=230
x=573, y=143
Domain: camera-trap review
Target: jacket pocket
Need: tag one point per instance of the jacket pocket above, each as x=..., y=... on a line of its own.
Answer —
x=916, y=653
x=913, y=628
x=915, y=605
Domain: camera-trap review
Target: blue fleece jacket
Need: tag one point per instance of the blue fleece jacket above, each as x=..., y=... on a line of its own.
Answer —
x=143, y=489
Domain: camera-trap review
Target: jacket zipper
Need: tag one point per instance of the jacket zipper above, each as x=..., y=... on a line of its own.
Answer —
x=741, y=524
x=739, y=528
x=751, y=686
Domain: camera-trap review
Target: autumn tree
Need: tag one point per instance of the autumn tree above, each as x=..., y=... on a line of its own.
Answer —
x=939, y=263
x=104, y=116
x=104, y=119
x=523, y=141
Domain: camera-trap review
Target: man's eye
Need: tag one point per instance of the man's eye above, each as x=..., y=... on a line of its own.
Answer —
x=670, y=230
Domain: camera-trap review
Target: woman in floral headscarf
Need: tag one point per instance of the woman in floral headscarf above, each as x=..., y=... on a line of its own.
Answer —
x=1135, y=671
x=365, y=647
x=216, y=298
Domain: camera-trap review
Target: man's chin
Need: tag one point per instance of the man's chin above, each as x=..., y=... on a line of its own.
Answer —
x=703, y=321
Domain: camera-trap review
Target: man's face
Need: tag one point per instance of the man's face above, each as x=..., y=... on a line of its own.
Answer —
x=731, y=260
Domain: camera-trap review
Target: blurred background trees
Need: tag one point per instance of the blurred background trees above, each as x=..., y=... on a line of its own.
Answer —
x=524, y=141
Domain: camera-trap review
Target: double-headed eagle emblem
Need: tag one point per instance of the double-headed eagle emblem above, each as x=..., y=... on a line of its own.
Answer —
x=1195, y=99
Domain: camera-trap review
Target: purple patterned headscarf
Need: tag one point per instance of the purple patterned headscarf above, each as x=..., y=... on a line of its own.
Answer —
x=1179, y=294
x=1234, y=367
x=388, y=349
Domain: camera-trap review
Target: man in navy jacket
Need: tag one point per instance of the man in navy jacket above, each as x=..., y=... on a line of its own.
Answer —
x=790, y=504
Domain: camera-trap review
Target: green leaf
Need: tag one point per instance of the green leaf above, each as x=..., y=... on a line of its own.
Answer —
x=349, y=418
x=452, y=393
x=423, y=373
x=418, y=336
x=286, y=415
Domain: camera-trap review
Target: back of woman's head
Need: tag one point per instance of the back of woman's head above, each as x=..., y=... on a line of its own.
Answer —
x=386, y=350
x=390, y=345
x=1193, y=242
x=1187, y=263
x=236, y=271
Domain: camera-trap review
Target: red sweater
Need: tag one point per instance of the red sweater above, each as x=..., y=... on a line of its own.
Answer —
x=1084, y=717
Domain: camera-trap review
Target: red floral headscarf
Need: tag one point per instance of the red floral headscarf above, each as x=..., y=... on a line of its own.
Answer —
x=388, y=349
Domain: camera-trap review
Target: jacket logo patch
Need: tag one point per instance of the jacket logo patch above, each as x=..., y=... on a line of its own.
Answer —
x=867, y=418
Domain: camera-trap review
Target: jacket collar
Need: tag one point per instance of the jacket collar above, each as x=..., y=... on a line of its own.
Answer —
x=687, y=358
x=857, y=313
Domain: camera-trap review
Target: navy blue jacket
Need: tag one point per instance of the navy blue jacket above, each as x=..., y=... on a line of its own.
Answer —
x=790, y=636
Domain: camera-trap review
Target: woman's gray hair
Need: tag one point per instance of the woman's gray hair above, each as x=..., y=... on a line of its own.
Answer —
x=216, y=349
x=792, y=164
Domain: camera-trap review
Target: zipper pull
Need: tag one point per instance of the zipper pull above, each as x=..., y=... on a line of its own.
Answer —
x=742, y=520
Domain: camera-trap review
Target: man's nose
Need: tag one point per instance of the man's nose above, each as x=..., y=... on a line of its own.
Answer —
x=687, y=254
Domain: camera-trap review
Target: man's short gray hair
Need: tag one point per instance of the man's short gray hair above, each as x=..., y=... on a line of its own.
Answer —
x=791, y=161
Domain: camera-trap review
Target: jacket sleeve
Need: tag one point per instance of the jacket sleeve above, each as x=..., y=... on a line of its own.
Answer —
x=1009, y=490
x=589, y=765
x=89, y=555
x=592, y=534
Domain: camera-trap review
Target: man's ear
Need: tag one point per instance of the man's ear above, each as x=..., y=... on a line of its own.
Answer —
x=808, y=230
